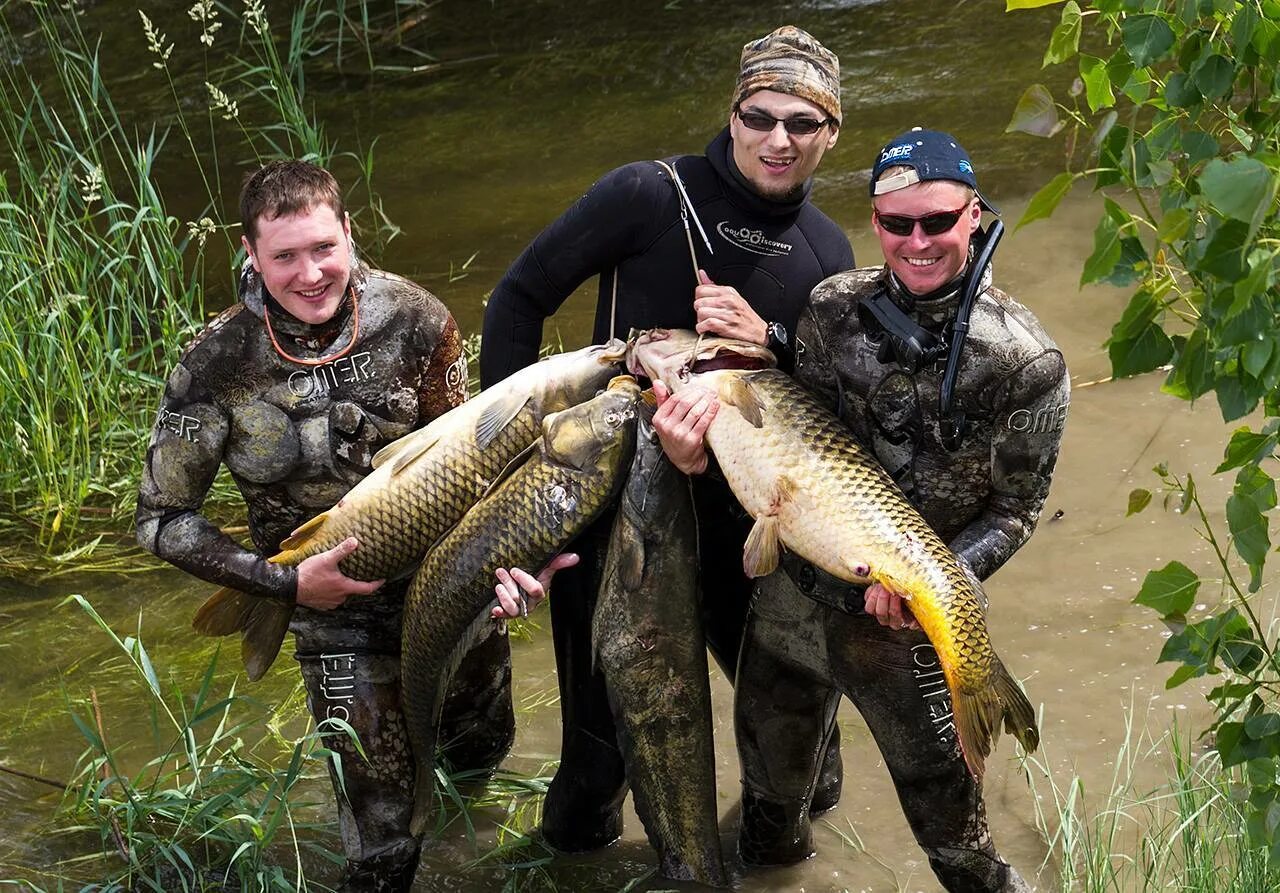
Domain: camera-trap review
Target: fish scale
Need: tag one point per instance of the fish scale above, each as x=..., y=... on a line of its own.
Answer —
x=796, y=469
x=524, y=521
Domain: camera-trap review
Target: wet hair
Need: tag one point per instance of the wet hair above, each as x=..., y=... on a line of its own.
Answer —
x=969, y=192
x=283, y=188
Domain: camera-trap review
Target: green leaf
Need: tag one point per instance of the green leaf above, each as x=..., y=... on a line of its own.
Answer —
x=1111, y=155
x=1011, y=5
x=1133, y=256
x=1199, y=146
x=1257, y=486
x=1097, y=83
x=1192, y=373
x=1139, y=499
x=1224, y=251
x=1234, y=399
x=1140, y=312
x=1246, y=448
x=1147, y=38
x=1035, y=113
x=1262, y=726
x=1106, y=251
x=1180, y=91
x=1170, y=590
x=1256, y=354
x=1188, y=495
x=1148, y=350
x=1199, y=645
x=1235, y=747
x=1174, y=225
x=1065, y=40
x=1046, y=199
x=1249, y=528
x=1243, y=26
x=1214, y=76
x=1241, y=188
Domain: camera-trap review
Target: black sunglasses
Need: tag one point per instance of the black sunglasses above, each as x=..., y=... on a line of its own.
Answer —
x=764, y=123
x=933, y=224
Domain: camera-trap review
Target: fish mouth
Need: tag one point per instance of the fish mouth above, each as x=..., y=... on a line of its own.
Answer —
x=663, y=351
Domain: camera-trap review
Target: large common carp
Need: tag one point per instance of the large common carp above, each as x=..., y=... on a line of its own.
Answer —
x=572, y=473
x=420, y=486
x=810, y=486
x=647, y=637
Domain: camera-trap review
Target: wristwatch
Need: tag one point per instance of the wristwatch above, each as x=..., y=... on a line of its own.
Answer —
x=778, y=338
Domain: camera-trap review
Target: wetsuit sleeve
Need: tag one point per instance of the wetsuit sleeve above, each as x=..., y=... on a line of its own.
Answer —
x=814, y=366
x=605, y=226
x=1026, y=435
x=444, y=381
x=186, y=449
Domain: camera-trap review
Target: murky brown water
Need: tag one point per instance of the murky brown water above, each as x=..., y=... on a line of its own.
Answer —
x=477, y=159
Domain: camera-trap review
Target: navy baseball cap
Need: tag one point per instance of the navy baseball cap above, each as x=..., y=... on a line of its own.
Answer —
x=931, y=155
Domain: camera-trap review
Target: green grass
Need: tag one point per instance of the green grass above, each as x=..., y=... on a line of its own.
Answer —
x=1188, y=834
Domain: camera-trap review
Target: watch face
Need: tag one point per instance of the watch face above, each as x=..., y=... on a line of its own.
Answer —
x=778, y=333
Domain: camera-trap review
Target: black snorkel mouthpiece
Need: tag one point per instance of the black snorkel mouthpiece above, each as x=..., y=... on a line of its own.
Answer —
x=952, y=424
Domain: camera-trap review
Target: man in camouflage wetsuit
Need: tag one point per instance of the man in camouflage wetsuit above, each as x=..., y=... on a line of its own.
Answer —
x=727, y=242
x=979, y=477
x=322, y=362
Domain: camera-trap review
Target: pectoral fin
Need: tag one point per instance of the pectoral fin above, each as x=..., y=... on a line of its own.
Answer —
x=738, y=392
x=496, y=416
x=760, y=556
x=261, y=622
x=411, y=453
x=299, y=538
x=396, y=446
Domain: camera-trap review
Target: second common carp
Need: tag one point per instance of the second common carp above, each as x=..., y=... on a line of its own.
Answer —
x=420, y=486
x=809, y=485
x=571, y=475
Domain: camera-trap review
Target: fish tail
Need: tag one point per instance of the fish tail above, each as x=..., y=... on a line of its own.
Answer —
x=261, y=622
x=1019, y=715
x=978, y=717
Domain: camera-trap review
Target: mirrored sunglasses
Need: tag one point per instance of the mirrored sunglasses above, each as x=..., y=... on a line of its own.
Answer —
x=754, y=120
x=933, y=224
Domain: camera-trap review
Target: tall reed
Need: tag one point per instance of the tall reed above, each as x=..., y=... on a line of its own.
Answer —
x=1188, y=834
x=101, y=283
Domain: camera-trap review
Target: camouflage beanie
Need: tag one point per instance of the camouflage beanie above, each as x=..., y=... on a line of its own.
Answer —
x=791, y=61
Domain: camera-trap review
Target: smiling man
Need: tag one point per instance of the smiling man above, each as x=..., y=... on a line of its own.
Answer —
x=876, y=344
x=727, y=242
x=321, y=363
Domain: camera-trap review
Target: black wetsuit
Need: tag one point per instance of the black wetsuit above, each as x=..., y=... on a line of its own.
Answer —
x=295, y=438
x=801, y=654
x=629, y=226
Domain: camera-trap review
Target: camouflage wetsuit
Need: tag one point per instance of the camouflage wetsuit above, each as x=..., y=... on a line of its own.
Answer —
x=801, y=654
x=295, y=438
x=629, y=226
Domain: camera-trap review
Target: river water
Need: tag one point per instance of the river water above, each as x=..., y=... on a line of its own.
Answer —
x=534, y=102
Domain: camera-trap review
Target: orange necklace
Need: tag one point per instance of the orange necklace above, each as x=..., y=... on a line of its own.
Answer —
x=319, y=361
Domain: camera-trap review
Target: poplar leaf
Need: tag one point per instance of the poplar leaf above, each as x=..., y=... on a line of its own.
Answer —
x=1170, y=590
x=1147, y=38
x=1035, y=113
x=1046, y=199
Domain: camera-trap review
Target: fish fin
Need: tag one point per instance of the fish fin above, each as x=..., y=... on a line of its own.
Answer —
x=738, y=392
x=391, y=449
x=497, y=416
x=1019, y=715
x=264, y=632
x=412, y=453
x=760, y=555
x=299, y=538
x=977, y=718
x=223, y=613
x=510, y=468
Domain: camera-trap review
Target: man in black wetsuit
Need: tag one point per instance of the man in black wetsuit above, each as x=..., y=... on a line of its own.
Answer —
x=874, y=344
x=322, y=362
x=726, y=242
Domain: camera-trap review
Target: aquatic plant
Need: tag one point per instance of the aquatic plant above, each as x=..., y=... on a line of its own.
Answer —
x=1187, y=834
x=103, y=284
x=1181, y=118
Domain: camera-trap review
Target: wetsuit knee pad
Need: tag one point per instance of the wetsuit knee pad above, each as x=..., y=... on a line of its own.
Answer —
x=388, y=871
